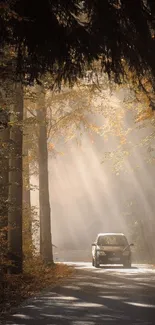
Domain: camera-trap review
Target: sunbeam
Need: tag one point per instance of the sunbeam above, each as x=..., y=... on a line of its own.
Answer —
x=86, y=196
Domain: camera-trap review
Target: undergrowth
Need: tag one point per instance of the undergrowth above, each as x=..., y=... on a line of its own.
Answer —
x=36, y=277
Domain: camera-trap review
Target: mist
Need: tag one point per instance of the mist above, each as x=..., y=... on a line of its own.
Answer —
x=88, y=196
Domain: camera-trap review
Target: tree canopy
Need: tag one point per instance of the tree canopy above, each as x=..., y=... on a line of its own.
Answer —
x=65, y=36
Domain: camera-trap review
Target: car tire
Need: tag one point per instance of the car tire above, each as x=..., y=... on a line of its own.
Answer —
x=92, y=261
x=96, y=263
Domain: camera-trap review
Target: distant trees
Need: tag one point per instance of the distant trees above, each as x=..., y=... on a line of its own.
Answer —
x=53, y=115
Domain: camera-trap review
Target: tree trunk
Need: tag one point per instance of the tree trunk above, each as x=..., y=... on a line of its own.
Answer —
x=16, y=186
x=4, y=189
x=5, y=108
x=27, y=217
x=27, y=203
x=44, y=204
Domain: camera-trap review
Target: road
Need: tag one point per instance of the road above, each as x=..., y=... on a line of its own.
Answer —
x=95, y=297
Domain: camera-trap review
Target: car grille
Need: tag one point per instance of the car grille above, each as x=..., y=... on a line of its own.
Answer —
x=113, y=254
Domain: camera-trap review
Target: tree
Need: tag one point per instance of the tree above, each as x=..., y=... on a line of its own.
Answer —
x=45, y=212
x=6, y=93
x=37, y=143
x=52, y=116
x=4, y=186
x=56, y=115
x=16, y=185
x=65, y=37
x=27, y=210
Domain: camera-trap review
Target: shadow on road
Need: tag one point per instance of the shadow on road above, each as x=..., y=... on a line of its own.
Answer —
x=109, y=267
x=94, y=297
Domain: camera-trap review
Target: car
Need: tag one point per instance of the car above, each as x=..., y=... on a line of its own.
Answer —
x=111, y=248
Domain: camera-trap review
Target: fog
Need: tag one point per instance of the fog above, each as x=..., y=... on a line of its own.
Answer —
x=88, y=196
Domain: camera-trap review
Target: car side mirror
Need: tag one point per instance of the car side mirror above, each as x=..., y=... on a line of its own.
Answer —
x=93, y=244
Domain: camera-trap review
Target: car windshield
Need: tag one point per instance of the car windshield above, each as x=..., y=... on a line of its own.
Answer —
x=112, y=240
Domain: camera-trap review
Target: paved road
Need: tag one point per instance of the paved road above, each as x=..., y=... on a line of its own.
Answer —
x=95, y=297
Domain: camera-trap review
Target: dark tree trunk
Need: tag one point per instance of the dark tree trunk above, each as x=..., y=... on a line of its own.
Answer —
x=4, y=189
x=27, y=217
x=27, y=204
x=6, y=95
x=16, y=186
x=45, y=217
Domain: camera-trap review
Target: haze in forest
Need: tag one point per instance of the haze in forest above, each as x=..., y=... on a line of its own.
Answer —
x=88, y=196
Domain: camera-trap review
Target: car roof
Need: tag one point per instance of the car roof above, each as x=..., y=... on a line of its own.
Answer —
x=111, y=234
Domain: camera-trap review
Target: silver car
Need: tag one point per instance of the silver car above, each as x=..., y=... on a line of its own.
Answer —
x=111, y=248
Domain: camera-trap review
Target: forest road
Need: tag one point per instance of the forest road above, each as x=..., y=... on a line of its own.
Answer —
x=104, y=296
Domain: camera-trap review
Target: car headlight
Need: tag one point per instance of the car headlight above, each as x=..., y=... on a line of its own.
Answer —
x=126, y=253
x=100, y=251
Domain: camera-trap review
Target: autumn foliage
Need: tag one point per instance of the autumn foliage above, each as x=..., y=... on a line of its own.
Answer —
x=36, y=276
